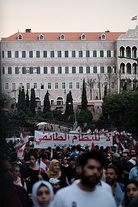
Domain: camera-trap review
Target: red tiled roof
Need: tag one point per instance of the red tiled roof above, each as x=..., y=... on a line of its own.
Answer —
x=69, y=36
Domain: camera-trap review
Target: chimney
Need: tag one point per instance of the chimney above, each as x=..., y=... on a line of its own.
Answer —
x=28, y=30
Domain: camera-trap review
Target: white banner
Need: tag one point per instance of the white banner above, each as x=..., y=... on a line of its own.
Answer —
x=53, y=139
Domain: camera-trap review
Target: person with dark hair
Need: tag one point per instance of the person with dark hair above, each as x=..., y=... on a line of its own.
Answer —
x=33, y=173
x=11, y=195
x=131, y=191
x=111, y=176
x=42, y=194
x=86, y=192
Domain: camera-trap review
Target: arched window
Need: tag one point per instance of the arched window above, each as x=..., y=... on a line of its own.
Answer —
x=103, y=37
x=122, y=51
x=62, y=37
x=128, y=52
x=59, y=101
x=128, y=66
x=134, y=52
x=122, y=68
x=83, y=37
x=41, y=37
x=19, y=37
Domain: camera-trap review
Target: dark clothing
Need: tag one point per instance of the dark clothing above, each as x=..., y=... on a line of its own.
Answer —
x=70, y=173
x=24, y=169
x=14, y=196
x=62, y=179
x=33, y=174
x=119, y=166
x=126, y=167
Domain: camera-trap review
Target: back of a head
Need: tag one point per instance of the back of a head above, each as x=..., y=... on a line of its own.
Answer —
x=94, y=154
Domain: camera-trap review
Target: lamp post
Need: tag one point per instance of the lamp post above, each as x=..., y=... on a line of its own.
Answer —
x=135, y=59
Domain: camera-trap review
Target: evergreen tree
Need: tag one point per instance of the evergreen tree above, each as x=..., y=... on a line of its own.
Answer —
x=69, y=104
x=47, y=107
x=84, y=97
x=21, y=100
x=27, y=99
x=32, y=101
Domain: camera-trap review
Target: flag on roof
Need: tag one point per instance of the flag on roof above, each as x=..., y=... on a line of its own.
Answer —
x=134, y=18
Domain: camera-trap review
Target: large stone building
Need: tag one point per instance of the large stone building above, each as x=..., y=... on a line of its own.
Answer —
x=58, y=62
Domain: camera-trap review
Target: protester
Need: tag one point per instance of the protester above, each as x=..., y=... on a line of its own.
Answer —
x=55, y=172
x=70, y=171
x=55, y=183
x=86, y=192
x=42, y=194
x=111, y=176
x=16, y=177
x=33, y=172
x=134, y=171
x=11, y=195
x=131, y=191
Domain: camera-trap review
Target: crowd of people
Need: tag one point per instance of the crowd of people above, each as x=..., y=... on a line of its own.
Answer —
x=73, y=177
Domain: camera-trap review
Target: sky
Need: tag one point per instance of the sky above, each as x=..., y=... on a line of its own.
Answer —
x=67, y=15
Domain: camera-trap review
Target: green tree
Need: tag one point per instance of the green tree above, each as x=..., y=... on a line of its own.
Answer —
x=47, y=107
x=32, y=102
x=21, y=100
x=69, y=105
x=85, y=116
x=90, y=83
x=84, y=97
x=27, y=99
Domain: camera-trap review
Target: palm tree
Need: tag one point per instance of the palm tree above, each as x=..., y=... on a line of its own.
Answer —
x=90, y=83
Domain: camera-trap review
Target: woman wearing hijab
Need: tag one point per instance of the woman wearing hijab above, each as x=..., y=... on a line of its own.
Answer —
x=42, y=194
x=55, y=172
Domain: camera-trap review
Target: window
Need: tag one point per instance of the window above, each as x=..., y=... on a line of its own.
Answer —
x=101, y=53
x=66, y=53
x=83, y=37
x=80, y=54
x=38, y=70
x=31, y=70
x=13, y=86
x=59, y=70
x=3, y=70
x=20, y=86
x=59, y=54
x=109, y=69
x=52, y=70
x=41, y=37
x=73, y=53
x=16, y=54
x=66, y=70
x=23, y=70
x=35, y=85
x=45, y=53
x=70, y=85
x=52, y=54
x=56, y=85
x=80, y=69
x=103, y=37
x=20, y=37
x=6, y=86
x=49, y=85
x=28, y=85
x=77, y=85
x=87, y=53
x=42, y=86
x=101, y=69
x=73, y=69
x=62, y=37
x=31, y=54
x=38, y=54
x=45, y=70
x=59, y=101
x=87, y=69
x=16, y=70
x=108, y=53
x=94, y=53
x=2, y=54
x=95, y=69
x=23, y=54
x=9, y=54
x=63, y=85
x=114, y=53
x=9, y=70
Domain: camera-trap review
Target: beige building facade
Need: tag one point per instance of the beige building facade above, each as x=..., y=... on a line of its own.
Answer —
x=58, y=62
